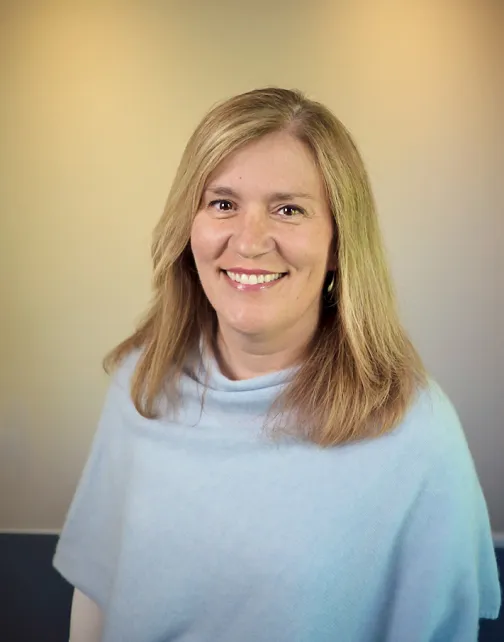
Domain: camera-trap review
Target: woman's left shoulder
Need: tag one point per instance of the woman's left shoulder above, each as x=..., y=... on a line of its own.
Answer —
x=432, y=425
x=446, y=562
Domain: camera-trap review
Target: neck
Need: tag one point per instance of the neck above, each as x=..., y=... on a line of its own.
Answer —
x=244, y=357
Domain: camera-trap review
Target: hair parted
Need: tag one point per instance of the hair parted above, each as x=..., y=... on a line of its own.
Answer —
x=361, y=372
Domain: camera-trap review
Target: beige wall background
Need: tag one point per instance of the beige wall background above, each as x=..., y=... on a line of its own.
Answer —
x=97, y=100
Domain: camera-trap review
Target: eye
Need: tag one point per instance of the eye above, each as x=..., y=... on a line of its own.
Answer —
x=221, y=205
x=290, y=211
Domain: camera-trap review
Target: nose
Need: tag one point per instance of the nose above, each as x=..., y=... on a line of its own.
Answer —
x=252, y=234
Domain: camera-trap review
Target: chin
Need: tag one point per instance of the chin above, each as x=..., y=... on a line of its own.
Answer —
x=252, y=330
x=250, y=327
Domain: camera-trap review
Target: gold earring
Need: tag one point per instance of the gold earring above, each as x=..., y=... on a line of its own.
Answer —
x=331, y=285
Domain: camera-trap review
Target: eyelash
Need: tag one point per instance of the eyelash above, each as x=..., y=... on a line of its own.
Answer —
x=299, y=210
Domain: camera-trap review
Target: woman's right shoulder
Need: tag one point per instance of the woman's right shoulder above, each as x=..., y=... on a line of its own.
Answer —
x=118, y=397
x=122, y=375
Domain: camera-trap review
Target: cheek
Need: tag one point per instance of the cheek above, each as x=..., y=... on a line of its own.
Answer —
x=309, y=253
x=200, y=245
x=207, y=241
x=195, y=247
x=322, y=249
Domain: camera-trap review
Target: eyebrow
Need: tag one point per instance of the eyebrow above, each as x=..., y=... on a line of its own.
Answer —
x=221, y=190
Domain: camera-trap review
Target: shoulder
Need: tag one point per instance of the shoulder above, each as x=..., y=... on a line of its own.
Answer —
x=431, y=432
x=432, y=418
x=445, y=539
x=435, y=456
x=119, y=390
x=122, y=376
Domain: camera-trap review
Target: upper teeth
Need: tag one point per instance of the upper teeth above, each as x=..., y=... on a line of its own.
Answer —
x=253, y=279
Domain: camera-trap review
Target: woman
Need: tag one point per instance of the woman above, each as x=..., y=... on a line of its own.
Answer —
x=272, y=462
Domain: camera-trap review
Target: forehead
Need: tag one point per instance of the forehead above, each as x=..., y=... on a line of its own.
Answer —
x=277, y=160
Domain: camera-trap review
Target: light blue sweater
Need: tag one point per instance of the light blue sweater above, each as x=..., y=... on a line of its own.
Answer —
x=203, y=530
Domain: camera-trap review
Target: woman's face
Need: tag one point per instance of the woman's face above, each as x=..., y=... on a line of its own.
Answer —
x=261, y=239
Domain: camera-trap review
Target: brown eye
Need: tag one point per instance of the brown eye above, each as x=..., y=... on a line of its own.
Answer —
x=221, y=205
x=290, y=211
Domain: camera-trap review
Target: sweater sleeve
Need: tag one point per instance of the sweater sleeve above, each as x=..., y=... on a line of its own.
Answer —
x=89, y=544
x=446, y=575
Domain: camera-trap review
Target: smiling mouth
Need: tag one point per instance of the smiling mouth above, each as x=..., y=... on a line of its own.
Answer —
x=239, y=278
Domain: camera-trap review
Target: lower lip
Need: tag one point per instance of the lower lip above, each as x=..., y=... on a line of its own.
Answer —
x=245, y=287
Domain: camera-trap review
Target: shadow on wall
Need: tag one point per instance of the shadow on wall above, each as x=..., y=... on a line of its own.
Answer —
x=35, y=600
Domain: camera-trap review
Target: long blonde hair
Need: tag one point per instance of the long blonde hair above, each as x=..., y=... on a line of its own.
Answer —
x=362, y=371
